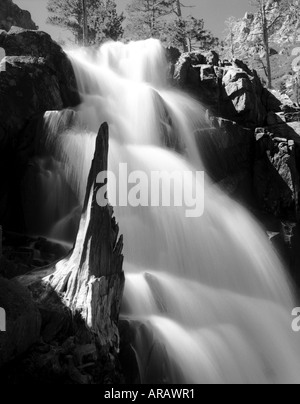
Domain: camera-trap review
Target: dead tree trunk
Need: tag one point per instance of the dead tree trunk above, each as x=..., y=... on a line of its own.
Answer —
x=266, y=42
x=85, y=24
x=90, y=281
x=180, y=17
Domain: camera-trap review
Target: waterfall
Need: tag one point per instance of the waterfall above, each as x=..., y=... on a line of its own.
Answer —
x=207, y=296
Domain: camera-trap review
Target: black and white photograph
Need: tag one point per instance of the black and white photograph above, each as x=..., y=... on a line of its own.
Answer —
x=149, y=195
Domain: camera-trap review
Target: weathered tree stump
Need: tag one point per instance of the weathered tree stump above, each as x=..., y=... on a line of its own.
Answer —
x=90, y=281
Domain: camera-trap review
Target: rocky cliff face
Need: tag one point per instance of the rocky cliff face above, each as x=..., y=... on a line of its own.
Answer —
x=284, y=41
x=285, y=26
x=38, y=77
x=229, y=90
x=12, y=15
x=252, y=148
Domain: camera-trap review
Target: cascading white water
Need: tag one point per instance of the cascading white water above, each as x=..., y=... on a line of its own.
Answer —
x=208, y=296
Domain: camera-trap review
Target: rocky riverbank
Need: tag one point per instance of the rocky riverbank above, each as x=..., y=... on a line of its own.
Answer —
x=253, y=149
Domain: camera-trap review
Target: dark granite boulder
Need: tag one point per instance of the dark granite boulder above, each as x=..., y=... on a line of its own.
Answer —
x=23, y=321
x=37, y=77
x=11, y=14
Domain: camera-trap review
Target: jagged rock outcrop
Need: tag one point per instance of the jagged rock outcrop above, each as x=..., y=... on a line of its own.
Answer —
x=229, y=90
x=34, y=58
x=284, y=28
x=13, y=15
x=38, y=77
x=243, y=96
x=268, y=170
x=245, y=38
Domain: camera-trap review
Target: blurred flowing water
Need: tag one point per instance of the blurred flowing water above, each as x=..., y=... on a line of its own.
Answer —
x=207, y=297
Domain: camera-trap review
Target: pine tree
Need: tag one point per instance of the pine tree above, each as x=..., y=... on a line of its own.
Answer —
x=189, y=34
x=265, y=26
x=90, y=21
x=108, y=20
x=146, y=18
x=164, y=19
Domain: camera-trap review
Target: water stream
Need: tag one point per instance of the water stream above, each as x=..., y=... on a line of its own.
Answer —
x=208, y=296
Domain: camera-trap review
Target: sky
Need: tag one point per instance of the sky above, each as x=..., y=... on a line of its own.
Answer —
x=214, y=13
